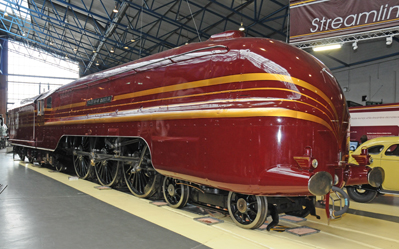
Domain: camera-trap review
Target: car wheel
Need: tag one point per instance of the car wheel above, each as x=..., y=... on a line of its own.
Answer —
x=361, y=195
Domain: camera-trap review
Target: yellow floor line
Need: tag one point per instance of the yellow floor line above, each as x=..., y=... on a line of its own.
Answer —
x=208, y=235
x=227, y=234
x=369, y=234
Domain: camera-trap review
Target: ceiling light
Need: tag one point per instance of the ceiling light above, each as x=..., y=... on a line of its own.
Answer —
x=241, y=28
x=75, y=49
x=115, y=10
x=354, y=45
x=51, y=43
x=112, y=50
x=5, y=14
x=94, y=51
x=389, y=40
x=66, y=56
x=327, y=47
x=97, y=64
x=132, y=40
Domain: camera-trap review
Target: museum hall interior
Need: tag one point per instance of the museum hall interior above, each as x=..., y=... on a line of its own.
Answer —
x=199, y=124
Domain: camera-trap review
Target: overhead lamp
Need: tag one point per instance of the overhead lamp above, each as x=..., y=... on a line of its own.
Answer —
x=115, y=10
x=5, y=13
x=75, y=49
x=97, y=64
x=389, y=40
x=327, y=47
x=126, y=47
x=94, y=51
x=241, y=28
x=354, y=45
x=132, y=40
x=66, y=56
x=112, y=50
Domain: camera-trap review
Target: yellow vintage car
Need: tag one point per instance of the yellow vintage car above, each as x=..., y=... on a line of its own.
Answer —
x=385, y=154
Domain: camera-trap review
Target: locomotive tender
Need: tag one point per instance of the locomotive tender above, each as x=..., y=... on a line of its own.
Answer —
x=249, y=125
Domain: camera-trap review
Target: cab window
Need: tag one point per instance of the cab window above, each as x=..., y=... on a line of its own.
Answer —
x=40, y=107
x=393, y=150
x=375, y=149
x=48, y=103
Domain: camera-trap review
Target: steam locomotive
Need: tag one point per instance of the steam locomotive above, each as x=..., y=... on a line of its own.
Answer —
x=251, y=126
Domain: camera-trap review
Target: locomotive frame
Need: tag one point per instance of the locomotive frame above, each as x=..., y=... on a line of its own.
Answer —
x=197, y=123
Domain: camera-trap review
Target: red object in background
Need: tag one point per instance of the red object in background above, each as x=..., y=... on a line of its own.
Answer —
x=374, y=121
x=231, y=113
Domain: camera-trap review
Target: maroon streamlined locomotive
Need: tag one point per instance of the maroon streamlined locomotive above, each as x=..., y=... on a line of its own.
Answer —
x=249, y=125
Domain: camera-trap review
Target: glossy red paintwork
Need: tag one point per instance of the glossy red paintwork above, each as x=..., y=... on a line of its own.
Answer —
x=204, y=131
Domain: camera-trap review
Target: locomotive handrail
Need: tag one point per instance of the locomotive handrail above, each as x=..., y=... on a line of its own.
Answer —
x=132, y=68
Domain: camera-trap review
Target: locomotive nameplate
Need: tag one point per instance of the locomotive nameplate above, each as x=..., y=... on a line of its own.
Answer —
x=98, y=101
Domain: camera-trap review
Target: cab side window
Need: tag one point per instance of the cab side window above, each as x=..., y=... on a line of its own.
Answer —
x=40, y=107
x=48, y=103
x=393, y=150
x=375, y=149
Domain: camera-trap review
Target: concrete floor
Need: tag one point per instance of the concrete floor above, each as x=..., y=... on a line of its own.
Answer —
x=39, y=212
x=44, y=209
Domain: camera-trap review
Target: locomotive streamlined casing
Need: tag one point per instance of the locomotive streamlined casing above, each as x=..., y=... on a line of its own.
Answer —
x=230, y=113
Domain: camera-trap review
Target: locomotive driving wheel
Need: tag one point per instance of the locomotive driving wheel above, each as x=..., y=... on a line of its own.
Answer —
x=107, y=171
x=81, y=160
x=247, y=211
x=21, y=156
x=140, y=177
x=175, y=192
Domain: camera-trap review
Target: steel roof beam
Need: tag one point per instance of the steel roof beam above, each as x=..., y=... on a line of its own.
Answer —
x=43, y=43
x=337, y=60
x=247, y=17
x=60, y=23
x=108, y=20
x=366, y=61
x=109, y=31
x=166, y=19
x=226, y=18
x=84, y=18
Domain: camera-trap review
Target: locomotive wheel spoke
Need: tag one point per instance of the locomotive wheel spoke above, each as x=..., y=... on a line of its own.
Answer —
x=141, y=178
x=247, y=211
x=81, y=163
x=175, y=192
x=107, y=171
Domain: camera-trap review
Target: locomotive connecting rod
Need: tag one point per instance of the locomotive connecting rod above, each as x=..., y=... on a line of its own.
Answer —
x=124, y=143
x=102, y=157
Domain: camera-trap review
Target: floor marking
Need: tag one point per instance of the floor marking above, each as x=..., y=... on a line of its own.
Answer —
x=2, y=187
x=211, y=236
x=208, y=220
x=224, y=235
x=351, y=230
x=302, y=231
x=386, y=217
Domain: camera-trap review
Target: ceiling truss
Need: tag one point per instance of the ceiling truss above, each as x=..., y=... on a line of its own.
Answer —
x=91, y=33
